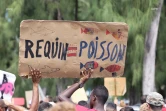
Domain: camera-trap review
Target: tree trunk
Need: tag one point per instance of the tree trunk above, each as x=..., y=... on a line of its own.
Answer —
x=133, y=98
x=150, y=53
x=76, y=10
x=60, y=85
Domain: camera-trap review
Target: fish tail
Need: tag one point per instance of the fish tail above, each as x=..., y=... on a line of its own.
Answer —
x=81, y=65
x=101, y=69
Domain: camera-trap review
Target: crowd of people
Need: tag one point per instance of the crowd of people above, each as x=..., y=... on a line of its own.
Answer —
x=97, y=100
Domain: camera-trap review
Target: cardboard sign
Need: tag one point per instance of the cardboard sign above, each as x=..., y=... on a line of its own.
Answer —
x=28, y=95
x=7, y=81
x=115, y=86
x=79, y=95
x=64, y=48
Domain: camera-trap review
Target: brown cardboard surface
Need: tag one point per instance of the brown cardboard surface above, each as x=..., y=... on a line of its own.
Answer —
x=28, y=95
x=115, y=86
x=64, y=48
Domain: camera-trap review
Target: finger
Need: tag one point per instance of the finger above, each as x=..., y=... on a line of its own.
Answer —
x=37, y=71
x=84, y=72
x=40, y=77
x=30, y=72
x=39, y=74
x=87, y=71
x=91, y=71
x=34, y=70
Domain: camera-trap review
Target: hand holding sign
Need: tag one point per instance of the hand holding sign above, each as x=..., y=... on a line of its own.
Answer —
x=36, y=75
x=86, y=75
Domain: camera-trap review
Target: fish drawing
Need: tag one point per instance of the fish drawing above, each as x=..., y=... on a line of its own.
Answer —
x=91, y=64
x=111, y=68
x=47, y=69
x=87, y=30
x=117, y=35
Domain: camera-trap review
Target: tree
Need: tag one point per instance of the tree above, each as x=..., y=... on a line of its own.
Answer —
x=160, y=55
x=150, y=53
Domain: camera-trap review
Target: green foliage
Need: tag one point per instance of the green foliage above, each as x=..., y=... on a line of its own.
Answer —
x=161, y=53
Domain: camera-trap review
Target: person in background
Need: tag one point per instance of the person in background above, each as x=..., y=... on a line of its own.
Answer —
x=111, y=106
x=155, y=101
x=55, y=99
x=83, y=103
x=63, y=106
x=143, y=99
x=122, y=103
x=41, y=101
x=127, y=109
x=36, y=76
x=145, y=107
x=164, y=106
x=98, y=96
x=44, y=106
x=48, y=99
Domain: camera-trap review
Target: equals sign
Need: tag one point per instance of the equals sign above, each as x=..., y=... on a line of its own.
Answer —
x=72, y=51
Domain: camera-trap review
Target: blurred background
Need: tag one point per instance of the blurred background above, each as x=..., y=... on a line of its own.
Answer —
x=146, y=49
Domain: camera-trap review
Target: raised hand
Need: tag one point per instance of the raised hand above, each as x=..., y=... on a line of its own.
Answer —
x=86, y=73
x=36, y=75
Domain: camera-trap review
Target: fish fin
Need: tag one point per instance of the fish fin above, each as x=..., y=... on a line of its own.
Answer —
x=81, y=65
x=107, y=32
x=101, y=69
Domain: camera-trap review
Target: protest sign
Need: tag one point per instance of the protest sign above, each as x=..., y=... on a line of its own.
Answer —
x=115, y=86
x=7, y=81
x=64, y=48
x=28, y=96
x=79, y=95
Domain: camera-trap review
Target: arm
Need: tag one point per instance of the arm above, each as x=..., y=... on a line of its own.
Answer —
x=5, y=103
x=35, y=98
x=36, y=76
x=16, y=108
x=65, y=96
